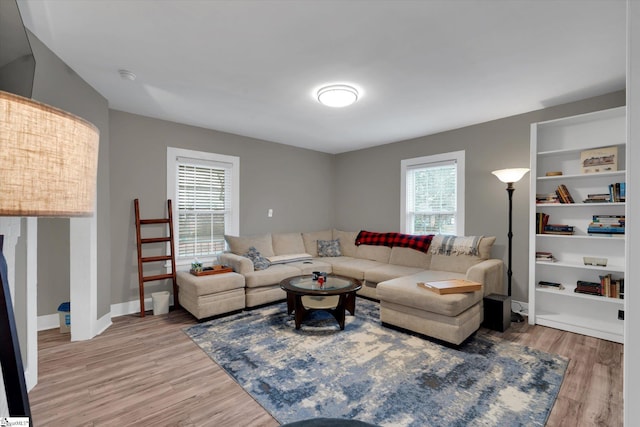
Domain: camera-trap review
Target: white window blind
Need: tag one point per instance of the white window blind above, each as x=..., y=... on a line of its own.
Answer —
x=432, y=194
x=205, y=190
x=203, y=207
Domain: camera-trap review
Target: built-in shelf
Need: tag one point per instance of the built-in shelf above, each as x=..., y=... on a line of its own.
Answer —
x=556, y=146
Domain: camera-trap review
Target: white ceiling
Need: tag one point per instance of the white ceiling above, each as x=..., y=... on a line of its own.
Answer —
x=251, y=67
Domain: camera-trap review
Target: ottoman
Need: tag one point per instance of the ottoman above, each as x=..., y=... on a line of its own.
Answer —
x=451, y=318
x=210, y=295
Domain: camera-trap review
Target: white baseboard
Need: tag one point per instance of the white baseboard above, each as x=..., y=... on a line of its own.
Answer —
x=52, y=321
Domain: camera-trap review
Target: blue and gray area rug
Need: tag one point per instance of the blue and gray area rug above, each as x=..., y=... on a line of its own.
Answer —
x=379, y=375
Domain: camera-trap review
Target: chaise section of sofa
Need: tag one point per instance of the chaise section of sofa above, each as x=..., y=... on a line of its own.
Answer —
x=451, y=318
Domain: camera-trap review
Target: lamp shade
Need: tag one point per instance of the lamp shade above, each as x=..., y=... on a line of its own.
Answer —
x=510, y=175
x=48, y=160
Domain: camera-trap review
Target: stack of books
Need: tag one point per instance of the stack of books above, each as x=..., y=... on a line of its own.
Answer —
x=544, y=256
x=607, y=225
x=563, y=229
x=597, y=198
x=547, y=198
x=563, y=194
x=607, y=287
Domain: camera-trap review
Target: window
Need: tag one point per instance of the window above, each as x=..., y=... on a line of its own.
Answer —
x=432, y=194
x=204, y=188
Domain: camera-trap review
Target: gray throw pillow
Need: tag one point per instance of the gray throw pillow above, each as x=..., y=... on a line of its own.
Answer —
x=259, y=262
x=329, y=248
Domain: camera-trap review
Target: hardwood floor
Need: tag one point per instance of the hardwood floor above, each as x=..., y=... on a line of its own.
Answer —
x=147, y=372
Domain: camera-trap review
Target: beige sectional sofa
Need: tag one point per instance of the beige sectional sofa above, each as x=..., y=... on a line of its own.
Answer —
x=388, y=274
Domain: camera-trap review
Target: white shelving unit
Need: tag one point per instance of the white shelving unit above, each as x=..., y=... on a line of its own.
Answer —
x=556, y=145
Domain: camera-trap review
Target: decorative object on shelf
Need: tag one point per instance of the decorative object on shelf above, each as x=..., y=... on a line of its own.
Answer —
x=48, y=167
x=589, y=260
x=553, y=173
x=599, y=160
x=511, y=176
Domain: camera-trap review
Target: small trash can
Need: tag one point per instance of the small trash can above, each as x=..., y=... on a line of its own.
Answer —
x=160, y=302
x=64, y=312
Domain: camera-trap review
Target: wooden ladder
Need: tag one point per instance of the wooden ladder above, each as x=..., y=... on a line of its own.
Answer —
x=142, y=260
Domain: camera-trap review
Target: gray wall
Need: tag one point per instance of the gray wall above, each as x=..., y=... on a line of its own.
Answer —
x=294, y=182
x=58, y=85
x=366, y=191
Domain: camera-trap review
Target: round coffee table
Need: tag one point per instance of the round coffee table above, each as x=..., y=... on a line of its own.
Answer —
x=304, y=286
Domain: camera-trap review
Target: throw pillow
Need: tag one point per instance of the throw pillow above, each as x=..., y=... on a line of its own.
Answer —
x=329, y=248
x=259, y=262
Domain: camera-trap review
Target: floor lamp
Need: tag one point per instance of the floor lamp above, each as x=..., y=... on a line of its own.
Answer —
x=48, y=167
x=510, y=176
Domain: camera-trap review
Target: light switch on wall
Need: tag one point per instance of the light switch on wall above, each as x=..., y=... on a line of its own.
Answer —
x=270, y=213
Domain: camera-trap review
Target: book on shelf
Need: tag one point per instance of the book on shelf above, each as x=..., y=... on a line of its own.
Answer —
x=618, y=192
x=563, y=194
x=550, y=285
x=597, y=160
x=541, y=221
x=562, y=229
x=597, y=198
x=545, y=256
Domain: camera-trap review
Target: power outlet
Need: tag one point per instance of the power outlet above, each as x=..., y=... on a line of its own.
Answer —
x=620, y=314
x=270, y=213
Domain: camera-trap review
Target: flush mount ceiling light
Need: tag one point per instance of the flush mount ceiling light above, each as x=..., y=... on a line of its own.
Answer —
x=337, y=96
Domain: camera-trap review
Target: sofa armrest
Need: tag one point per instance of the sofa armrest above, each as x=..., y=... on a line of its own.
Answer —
x=239, y=263
x=491, y=274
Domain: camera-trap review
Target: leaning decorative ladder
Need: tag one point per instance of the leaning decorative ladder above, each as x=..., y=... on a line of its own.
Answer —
x=142, y=260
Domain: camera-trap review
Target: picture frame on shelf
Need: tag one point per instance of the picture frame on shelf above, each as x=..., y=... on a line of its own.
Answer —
x=599, y=160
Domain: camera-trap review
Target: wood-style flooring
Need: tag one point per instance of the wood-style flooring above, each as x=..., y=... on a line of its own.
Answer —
x=147, y=372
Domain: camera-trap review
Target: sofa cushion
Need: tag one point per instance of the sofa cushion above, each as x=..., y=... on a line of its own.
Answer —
x=287, y=243
x=329, y=248
x=374, y=253
x=308, y=267
x=311, y=240
x=272, y=275
x=461, y=263
x=286, y=259
x=388, y=272
x=347, y=242
x=410, y=257
x=404, y=291
x=259, y=262
x=208, y=284
x=240, y=245
x=356, y=267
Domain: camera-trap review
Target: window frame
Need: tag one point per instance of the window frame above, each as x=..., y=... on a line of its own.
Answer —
x=407, y=164
x=232, y=227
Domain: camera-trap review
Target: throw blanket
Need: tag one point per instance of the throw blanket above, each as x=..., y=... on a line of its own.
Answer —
x=420, y=243
x=455, y=245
